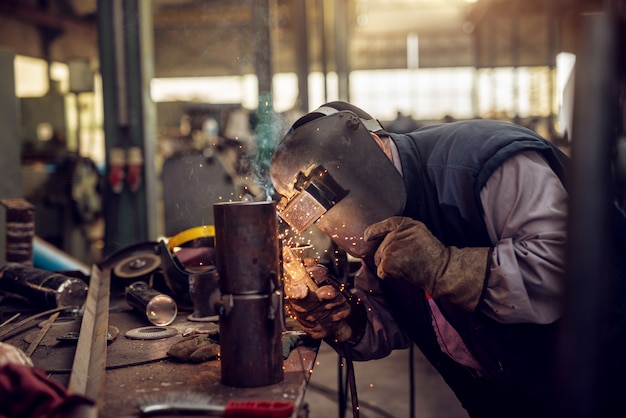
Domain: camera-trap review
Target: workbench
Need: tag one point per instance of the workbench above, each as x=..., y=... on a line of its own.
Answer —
x=140, y=372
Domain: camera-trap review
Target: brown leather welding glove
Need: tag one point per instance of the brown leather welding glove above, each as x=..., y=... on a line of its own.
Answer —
x=195, y=349
x=411, y=252
x=319, y=313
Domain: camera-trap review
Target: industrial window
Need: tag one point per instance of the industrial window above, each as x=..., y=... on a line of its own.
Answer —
x=463, y=93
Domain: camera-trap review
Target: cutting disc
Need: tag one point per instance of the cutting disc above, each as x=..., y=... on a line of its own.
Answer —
x=151, y=333
x=136, y=265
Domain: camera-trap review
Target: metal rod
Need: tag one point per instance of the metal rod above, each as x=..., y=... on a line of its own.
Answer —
x=8, y=331
x=42, y=333
x=11, y=319
x=89, y=367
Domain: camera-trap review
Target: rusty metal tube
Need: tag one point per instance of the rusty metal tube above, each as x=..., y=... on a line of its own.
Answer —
x=246, y=241
x=248, y=262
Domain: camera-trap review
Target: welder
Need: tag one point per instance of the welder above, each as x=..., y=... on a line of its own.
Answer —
x=462, y=232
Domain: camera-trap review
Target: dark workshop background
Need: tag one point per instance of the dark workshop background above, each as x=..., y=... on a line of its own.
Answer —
x=123, y=121
x=83, y=80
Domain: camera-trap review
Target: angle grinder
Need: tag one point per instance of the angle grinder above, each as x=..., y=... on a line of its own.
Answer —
x=167, y=265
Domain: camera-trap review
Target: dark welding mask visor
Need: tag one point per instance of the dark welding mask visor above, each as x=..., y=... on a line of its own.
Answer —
x=331, y=172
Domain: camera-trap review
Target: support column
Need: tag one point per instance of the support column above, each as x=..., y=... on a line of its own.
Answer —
x=126, y=64
x=265, y=128
x=342, y=50
x=302, y=54
x=583, y=367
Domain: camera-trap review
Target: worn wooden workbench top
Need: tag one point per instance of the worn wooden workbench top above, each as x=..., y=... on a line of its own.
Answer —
x=139, y=372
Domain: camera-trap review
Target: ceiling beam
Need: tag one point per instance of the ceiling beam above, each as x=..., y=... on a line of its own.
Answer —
x=46, y=19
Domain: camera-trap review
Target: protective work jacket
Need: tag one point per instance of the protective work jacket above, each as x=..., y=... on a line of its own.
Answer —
x=444, y=169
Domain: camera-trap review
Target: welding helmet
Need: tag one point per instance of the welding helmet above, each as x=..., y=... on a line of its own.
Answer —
x=328, y=170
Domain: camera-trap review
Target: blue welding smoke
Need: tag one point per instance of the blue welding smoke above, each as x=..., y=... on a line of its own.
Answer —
x=268, y=129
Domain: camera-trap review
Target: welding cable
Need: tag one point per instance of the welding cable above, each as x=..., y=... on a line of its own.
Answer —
x=342, y=387
x=352, y=381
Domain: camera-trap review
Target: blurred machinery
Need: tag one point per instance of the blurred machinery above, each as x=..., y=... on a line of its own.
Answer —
x=64, y=187
x=206, y=161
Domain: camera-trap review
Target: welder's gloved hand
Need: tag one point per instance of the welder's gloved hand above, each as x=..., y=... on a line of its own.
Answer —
x=411, y=252
x=319, y=313
x=196, y=349
x=319, y=273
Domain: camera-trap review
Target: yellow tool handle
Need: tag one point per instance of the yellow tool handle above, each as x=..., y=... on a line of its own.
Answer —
x=190, y=234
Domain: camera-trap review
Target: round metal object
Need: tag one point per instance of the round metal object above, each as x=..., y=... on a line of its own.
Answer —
x=137, y=265
x=151, y=333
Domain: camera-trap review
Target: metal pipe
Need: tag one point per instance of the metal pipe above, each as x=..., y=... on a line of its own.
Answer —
x=248, y=262
x=246, y=243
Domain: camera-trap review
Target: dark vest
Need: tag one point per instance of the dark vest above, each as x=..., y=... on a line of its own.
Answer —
x=444, y=168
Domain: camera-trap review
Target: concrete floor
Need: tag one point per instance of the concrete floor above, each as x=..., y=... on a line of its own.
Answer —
x=382, y=388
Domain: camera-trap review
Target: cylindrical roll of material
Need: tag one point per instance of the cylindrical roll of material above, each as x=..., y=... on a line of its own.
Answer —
x=43, y=288
x=246, y=242
x=250, y=340
x=20, y=230
x=158, y=308
x=248, y=262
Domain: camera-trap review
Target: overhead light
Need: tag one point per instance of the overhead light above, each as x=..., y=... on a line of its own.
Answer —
x=362, y=19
